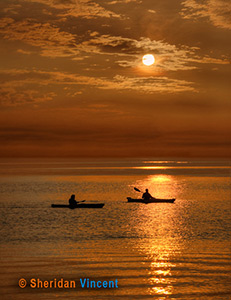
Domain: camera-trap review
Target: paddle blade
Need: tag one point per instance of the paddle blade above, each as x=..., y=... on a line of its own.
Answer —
x=137, y=189
x=81, y=201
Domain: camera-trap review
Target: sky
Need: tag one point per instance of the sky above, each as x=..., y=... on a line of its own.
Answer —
x=73, y=83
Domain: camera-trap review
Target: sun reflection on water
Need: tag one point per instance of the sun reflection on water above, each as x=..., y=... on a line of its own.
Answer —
x=161, y=276
x=160, y=256
x=162, y=240
x=161, y=186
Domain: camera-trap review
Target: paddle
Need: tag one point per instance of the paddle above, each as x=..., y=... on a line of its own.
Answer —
x=136, y=189
x=72, y=206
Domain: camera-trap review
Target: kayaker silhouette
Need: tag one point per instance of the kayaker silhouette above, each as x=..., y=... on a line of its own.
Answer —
x=146, y=196
x=72, y=201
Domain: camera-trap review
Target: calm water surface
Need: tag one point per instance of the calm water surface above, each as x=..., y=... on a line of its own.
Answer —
x=155, y=251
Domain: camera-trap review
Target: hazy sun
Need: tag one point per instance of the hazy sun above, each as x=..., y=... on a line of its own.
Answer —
x=148, y=59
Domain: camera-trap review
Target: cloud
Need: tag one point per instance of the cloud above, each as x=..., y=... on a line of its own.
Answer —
x=168, y=57
x=123, y=1
x=12, y=9
x=148, y=85
x=21, y=87
x=25, y=86
x=14, y=96
x=126, y=52
x=216, y=11
x=152, y=11
x=86, y=9
x=52, y=41
x=24, y=51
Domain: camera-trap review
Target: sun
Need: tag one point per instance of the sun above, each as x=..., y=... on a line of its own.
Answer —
x=148, y=59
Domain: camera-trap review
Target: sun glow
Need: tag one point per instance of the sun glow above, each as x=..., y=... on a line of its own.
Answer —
x=148, y=59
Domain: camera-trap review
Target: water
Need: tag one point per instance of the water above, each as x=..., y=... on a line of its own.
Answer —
x=155, y=251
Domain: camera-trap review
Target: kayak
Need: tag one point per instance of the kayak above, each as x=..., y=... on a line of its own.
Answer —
x=80, y=205
x=151, y=200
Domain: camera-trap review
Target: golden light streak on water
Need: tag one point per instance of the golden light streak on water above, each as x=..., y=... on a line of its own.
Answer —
x=180, y=167
x=158, y=220
x=161, y=186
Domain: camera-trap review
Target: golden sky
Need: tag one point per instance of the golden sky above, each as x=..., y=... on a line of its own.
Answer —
x=73, y=82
